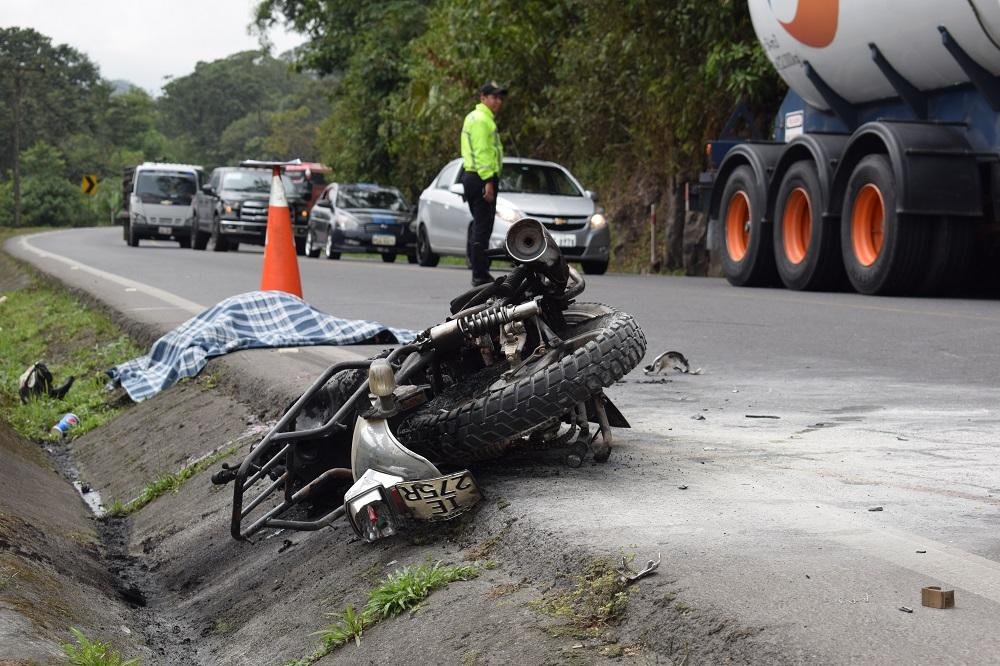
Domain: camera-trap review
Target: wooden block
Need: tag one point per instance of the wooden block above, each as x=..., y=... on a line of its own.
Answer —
x=934, y=597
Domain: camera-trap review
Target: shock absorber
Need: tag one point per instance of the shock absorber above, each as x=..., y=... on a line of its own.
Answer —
x=451, y=334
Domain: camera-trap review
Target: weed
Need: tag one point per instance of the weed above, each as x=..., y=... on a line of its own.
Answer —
x=598, y=597
x=502, y=504
x=209, y=380
x=613, y=650
x=7, y=577
x=93, y=653
x=503, y=590
x=169, y=482
x=682, y=608
x=401, y=591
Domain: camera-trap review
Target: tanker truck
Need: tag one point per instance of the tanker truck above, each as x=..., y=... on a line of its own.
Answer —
x=884, y=169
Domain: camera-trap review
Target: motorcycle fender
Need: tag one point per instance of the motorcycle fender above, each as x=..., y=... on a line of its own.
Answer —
x=375, y=448
x=615, y=418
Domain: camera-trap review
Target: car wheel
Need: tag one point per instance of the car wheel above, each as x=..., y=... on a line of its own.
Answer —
x=310, y=249
x=425, y=256
x=594, y=267
x=328, y=247
x=216, y=243
x=389, y=257
x=185, y=242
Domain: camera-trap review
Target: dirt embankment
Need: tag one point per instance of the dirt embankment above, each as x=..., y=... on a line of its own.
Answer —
x=168, y=585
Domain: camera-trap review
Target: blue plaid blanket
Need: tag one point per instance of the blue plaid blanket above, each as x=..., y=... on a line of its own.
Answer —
x=247, y=321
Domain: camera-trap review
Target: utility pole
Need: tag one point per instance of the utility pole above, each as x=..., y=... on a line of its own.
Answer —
x=17, y=144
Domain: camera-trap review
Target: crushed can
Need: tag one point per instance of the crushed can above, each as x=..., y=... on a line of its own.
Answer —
x=65, y=423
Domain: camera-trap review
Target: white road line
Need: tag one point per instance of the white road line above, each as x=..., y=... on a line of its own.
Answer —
x=147, y=289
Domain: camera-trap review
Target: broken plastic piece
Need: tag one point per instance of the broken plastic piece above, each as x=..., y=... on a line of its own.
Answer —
x=906, y=609
x=670, y=360
x=628, y=576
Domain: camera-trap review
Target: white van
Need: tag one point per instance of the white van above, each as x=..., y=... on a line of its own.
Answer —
x=159, y=200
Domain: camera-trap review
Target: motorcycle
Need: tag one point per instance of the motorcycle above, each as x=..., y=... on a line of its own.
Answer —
x=387, y=441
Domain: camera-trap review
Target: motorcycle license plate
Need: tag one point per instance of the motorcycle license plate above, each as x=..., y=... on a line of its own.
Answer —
x=165, y=231
x=440, y=498
x=383, y=239
x=564, y=240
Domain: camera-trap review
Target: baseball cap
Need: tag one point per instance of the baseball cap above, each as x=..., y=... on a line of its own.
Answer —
x=492, y=88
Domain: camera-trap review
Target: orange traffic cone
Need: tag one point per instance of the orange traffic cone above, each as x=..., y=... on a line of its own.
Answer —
x=281, y=266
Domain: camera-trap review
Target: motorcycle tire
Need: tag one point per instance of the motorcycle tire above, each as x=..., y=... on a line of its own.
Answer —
x=490, y=417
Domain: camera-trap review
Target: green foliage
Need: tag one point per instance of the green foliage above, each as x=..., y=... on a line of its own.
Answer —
x=597, y=597
x=47, y=197
x=93, y=653
x=401, y=591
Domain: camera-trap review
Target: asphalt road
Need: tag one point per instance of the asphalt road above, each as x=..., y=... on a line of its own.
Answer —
x=870, y=402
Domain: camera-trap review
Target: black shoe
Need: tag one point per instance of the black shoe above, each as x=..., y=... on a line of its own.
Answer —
x=479, y=281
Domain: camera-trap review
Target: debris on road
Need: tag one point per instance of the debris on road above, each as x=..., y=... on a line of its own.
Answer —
x=698, y=417
x=38, y=380
x=933, y=596
x=921, y=551
x=682, y=487
x=670, y=360
x=65, y=423
x=874, y=508
x=906, y=609
x=761, y=416
x=629, y=576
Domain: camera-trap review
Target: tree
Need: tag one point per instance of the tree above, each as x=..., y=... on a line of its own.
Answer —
x=46, y=92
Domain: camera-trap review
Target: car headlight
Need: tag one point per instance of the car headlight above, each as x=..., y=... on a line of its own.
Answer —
x=508, y=213
x=346, y=222
x=140, y=219
x=597, y=221
x=304, y=213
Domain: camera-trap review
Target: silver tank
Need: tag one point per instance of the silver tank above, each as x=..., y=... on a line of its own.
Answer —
x=833, y=36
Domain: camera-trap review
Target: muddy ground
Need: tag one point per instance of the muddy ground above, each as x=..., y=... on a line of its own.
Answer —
x=170, y=586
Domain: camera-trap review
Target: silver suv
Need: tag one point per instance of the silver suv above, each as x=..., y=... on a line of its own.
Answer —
x=545, y=191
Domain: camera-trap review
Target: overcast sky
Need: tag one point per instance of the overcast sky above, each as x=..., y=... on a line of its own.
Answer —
x=144, y=41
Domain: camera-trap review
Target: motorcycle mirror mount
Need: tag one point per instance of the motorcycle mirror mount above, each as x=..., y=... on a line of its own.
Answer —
x=382, y=382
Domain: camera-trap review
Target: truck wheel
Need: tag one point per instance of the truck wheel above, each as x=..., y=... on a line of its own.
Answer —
x=952, y=242
x=185, y=242
x=425, y=256
x=133, y=236
x=300, y=246
x=883, y=252
x=748, y=258
x=216, y=243
x=198, y=239
x=806, y=247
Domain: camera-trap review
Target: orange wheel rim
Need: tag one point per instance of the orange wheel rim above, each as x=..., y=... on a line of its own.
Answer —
x=738, y=226
x=868, y=224
x=796, y=225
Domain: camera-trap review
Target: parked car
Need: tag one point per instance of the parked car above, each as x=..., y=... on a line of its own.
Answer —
x=232, y=209
x=157, y=202
x=361, y=217
x=545, y=191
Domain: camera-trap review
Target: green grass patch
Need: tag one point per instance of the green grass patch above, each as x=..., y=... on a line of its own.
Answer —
x=86, y=652
x=39, y=322
x=596, y=598
x=401, y=591
x=167, y=483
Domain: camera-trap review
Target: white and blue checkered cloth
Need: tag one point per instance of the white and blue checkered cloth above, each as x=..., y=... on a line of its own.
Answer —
x=247, y=321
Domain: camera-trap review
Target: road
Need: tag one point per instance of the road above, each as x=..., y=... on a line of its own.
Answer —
x=870, y=402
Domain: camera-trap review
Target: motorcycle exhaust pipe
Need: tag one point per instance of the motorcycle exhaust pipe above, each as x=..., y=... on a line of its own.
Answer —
x=529, y=243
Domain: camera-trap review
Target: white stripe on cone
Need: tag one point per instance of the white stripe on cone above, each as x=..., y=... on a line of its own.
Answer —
x=278, y=199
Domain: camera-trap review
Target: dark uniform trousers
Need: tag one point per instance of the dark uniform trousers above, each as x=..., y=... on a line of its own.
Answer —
x=483, y=213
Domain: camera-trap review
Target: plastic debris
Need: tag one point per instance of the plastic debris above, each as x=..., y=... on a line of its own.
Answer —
x=670, y=360
x=875, y=508
x=629, y=576
x=762, y=416
x=682, y=487
x=906, y=609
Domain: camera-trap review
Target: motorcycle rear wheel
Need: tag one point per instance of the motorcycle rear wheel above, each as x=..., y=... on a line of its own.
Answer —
x=487, y=420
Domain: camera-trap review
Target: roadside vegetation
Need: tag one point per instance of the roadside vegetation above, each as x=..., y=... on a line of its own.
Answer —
x=85, y=652
x=401, y=591
x=39, y=322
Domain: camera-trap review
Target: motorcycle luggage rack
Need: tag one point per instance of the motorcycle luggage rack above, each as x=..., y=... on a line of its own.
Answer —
x=251, y=471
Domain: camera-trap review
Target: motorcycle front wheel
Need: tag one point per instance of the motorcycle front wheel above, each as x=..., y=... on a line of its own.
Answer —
x=481, y=419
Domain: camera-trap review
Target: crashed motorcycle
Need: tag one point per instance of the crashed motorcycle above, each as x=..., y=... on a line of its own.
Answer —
x=386, y=441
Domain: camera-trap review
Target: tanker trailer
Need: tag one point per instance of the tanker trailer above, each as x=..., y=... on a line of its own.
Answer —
x=885, y=163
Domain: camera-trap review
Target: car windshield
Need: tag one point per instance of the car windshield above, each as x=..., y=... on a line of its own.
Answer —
x=371, y=197
x=258, y=182
x=160, y=186
x=537, y=179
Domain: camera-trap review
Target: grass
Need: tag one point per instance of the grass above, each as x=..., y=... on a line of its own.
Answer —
x=39, y=322
x=401, y=591
x=93, y=653
x=596, y=598
x=167, y=483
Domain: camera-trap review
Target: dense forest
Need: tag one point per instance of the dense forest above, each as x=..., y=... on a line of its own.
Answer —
x=623, y=93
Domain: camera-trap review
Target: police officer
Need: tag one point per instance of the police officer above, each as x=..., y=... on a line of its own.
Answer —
x=482, y=161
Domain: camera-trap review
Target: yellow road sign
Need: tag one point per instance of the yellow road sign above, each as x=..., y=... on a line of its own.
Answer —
x=89, y=184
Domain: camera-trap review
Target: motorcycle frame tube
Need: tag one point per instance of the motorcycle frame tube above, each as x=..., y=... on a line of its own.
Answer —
x=247, y=475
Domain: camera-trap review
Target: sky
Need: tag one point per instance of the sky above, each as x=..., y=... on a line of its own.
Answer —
x=144, y=41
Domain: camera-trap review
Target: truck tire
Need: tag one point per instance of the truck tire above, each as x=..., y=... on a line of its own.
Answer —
x=198, y=239
x=952, y=243
x=806, y=246
x=748, y=256
x=300, y=247
x=133, y=236
x=481, y=420
x=216, y=243
x=883, y=252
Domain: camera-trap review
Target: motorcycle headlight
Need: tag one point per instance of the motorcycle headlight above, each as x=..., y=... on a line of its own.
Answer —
x=597, y=221
x=508, y=213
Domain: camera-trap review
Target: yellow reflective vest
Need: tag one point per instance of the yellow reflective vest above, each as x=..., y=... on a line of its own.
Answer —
x=482, y=151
